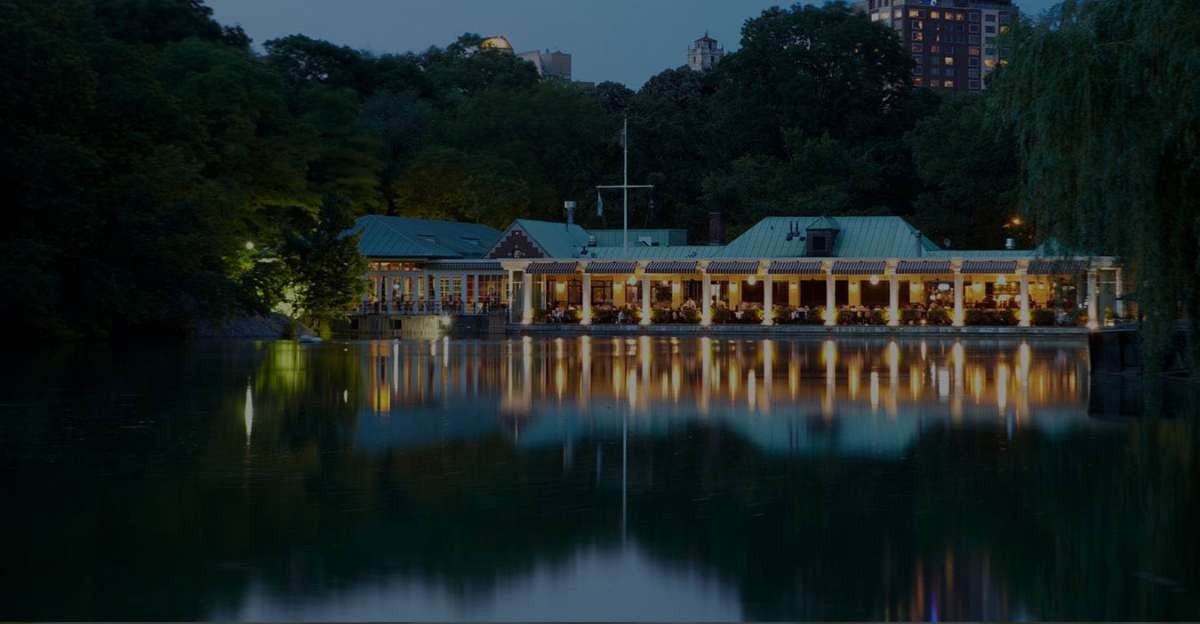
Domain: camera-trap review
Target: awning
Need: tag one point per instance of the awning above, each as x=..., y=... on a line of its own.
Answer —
x=465, y=265
x=1057, y=267
x=795, y=267
x=611, y=266
x=859, y=267
x=552, y=268
x=660, y=267
x=733, y=267
x=989, y=266
x=918, y=267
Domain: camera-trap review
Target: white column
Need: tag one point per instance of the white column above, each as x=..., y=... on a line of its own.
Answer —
x=465, y=305
x=478, y=296
x=959, y=317
x=768, y=301
x=586, y=318
x=1092, y=303
x=831, y=313
x=645, y=299
x=387, y=293
x=706, y=295
x=1118, y=292
x=526, y=298
x=437, y=292
x=1024, y=319
x=893, y=298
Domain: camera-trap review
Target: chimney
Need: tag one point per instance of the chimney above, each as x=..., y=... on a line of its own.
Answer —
x=716, y=228
x=570, y=206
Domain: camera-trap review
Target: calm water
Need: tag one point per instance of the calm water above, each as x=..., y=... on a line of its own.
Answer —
x=590, y=479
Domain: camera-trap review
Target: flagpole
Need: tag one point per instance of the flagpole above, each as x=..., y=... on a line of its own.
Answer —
x=625, y=185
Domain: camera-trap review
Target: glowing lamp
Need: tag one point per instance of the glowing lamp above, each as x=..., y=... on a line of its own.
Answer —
x=874, y=280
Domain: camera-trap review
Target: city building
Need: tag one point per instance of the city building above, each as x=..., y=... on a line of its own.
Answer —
x=782, y=271
x=954, y=42
x=550, y=64
x=704, y=53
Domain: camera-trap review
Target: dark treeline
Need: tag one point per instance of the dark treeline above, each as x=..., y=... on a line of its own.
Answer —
x=159, y=170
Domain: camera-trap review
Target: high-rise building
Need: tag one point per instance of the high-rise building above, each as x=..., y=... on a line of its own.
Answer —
x=704, y=53
x=954, y=42
x=550, y=64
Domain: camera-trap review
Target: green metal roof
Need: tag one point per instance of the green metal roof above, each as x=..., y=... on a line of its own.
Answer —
x=402, y=237
x=858, y=237
x=558, y=240
x=662, y=237
x=642, y=252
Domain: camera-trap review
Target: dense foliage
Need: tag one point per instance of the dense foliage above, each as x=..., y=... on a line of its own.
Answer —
x=1105, y=97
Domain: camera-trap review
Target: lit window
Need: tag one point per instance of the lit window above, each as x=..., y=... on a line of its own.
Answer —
x=898, y=14
x=949, y=60
x=935, y=15
x=935, y=48
x=917, y=82
x=949, y=84
x=989, y=63
x=913, y=13
x=1004, y=29
x=960, y=16
x=918, y=35
x=874, y=17
x=973, y=51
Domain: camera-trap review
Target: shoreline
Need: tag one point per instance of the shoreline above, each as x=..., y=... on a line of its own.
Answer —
x=801, y=331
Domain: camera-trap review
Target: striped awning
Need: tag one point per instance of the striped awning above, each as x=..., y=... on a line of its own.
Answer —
x=612, y=266
x=989, y=266
x=465, y=265
x=858, y=267
x=733, y=267
x=552, y=268
x=660, y=267
x=918, y=267
x=1057, y=267
x=795, y=267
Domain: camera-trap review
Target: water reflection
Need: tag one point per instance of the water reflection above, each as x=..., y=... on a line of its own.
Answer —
x=590, y=477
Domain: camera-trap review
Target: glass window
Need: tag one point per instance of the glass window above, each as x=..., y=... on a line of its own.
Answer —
x=990, y=17
x=949, y=84
x=934, y=60
x=974, y=28
x=1003, y=29
x=918, y=82
x=989, y=29
x=918, y=24
x=935, y=15
x=913, y=13
x=989, y=63
x=918, y=47
x=935, y=83
x=949, y=60
x=935, y=49
x=918, y=35
x=918, y=70
x=973, y=62
x=973, y=51
x=973, y=16
x=973, y=72
x=974, y=85
x=898, y=14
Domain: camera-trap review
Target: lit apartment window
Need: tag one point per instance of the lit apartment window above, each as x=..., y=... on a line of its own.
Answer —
x=914, y=13
x=935, y=48
x=918, y=24
x=949, y=84
x=918, y=35
x=935, y=15
x=973, y=51
x=917, y=82
x=989, y=63
x=898, y=14
x=874, y=17
x=960, y=16
x=949, y=60
x=1003, y=29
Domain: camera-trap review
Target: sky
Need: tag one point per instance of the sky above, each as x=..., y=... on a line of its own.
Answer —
x=625, y=41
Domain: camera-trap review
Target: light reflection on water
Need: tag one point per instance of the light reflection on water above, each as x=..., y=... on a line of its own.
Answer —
x=590, y=478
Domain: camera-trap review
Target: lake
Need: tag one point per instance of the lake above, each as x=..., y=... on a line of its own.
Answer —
x=591, y=478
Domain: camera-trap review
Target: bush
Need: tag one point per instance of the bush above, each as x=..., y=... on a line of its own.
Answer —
x=996, y=318
x=940, y=316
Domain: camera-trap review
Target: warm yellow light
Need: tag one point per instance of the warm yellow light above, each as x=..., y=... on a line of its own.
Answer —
x=249, y=246
x=1016, y=220
x=632, y=280
x=666, y=282
x=874, y=280
x=751, y=280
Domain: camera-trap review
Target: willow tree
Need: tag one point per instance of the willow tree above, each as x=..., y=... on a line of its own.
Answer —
x=1105, y=95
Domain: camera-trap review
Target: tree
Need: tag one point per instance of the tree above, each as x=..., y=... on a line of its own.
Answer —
x=327, y=267
x=1105, y=101
x=965, y=159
